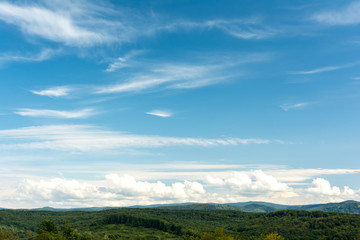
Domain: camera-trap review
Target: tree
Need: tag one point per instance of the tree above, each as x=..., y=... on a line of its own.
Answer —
x=69, y=233
x=218, y=234
x=47, y=226
x=7, y=235
x=47, y=231
x=272, y=236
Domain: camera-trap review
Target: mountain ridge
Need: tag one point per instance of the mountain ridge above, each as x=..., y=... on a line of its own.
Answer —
x=349, y=206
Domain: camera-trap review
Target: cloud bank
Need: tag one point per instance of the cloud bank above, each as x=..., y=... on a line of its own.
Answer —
x=125, y=190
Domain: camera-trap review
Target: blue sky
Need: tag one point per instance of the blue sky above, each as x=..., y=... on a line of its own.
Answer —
x=118, y=103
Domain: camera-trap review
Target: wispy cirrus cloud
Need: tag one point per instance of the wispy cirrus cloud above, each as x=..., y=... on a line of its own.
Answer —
x=252, y=28
x=160, y=113
x=287, y=107
x=47, y=113
x=169, y=76
x=54, y=25
x=43, y=55
x=124, y=62
x=87, y=138
x=348, y=15
x=86, y=24
x=60, y=91
x=325, y=69
x=182, y=76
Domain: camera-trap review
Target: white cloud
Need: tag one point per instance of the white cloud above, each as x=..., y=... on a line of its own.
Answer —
x=160, y=113
x=165, y=76
x=320, y=70
x=301, y=175
x=180, y=76
x=58, y=189
x=124, y=62
x=135, y=85
x=120, y=62
x=344, y=16
x=115, y=190
x=84, y=24
x=127, y=185
x=287, y=107
x=45, y=54
x=88, y=138
x=56, y=26
x=322, y=186
x=28, y=112
x=54, y=91
x=125, y=189
x=256, y=182
x=239, y=28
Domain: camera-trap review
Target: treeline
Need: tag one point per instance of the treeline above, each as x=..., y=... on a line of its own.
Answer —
x=144, y=222
x=184, y=224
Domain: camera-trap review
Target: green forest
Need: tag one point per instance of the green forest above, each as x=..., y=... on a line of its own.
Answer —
x=157, y=223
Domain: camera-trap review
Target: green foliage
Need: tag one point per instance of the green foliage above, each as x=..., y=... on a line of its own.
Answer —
x=217, y=234
x=272, y=236
x=7, y=235
x=130, y=223
x=48, y=231
x=47, y=226
x=143, y=222
x=47, y=236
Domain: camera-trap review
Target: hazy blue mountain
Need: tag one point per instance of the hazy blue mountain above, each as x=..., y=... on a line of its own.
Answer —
x=253, y=206
x=201, y=206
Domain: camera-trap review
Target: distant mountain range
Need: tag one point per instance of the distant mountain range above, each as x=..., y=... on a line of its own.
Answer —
x=264, y=207
x=258, y=207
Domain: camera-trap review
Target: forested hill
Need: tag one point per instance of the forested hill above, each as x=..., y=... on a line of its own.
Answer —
x=159, y=223
x=264, y=207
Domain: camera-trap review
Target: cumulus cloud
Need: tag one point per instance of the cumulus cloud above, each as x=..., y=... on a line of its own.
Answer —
x=256, y=182
x=115, y=190
x=127, y=185
x=124, y=190
x=54, y=91
x=347, y=15
x=59, y=189
x=160, y=113
x=322, y=186
x=28, y=112
x=89, y=138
